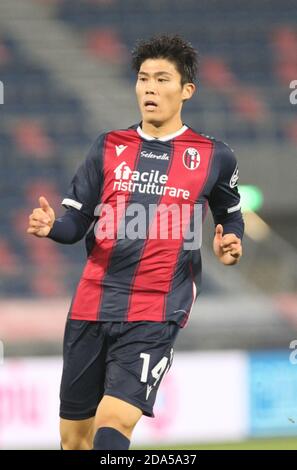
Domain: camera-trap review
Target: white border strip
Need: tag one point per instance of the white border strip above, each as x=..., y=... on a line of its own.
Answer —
x=71, y=203
x=233, y=209
x=165, y=138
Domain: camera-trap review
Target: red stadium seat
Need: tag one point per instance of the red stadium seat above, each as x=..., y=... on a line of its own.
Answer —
x=106, y=44
x=32, y=140
x=9, y=264
x=5, y=55
x=284, y=42
x=216, y=73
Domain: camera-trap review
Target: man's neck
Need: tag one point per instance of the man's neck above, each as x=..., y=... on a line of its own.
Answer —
x=161, y=131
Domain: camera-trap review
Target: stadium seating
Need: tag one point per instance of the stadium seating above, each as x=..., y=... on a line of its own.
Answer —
x=39, y=124
x=247, y=63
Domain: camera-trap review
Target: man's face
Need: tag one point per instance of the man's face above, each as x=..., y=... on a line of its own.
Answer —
x=159, y=91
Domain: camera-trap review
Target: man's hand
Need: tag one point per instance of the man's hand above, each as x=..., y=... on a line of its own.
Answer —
x=227, y=247
x=42, y=219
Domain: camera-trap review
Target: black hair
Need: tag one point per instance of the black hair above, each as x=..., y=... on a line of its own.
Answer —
x=171, y=47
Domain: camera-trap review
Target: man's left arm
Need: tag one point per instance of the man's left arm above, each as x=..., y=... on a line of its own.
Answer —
x=224, y=201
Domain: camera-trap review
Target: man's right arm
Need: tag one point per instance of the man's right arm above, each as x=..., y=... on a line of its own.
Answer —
x=68, y=229
x=81, y=200
x=71, y=227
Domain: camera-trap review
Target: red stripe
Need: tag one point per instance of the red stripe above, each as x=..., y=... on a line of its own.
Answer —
x=155, y=271
x=87, y=301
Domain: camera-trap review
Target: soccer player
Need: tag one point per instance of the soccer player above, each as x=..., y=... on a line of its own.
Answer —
x=138, y=286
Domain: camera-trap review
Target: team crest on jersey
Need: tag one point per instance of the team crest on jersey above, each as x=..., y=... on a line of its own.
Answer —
x=191, y=158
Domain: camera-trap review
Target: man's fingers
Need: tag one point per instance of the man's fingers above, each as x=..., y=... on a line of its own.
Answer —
x=41, y=222
x=38, y=231
x=219, y=230
x=37, y=224
x=39, y=214
x=219, y=233
x=230, y=239
x=230, y=247
x=32, y=230
x=235, y=252
x=44, y=203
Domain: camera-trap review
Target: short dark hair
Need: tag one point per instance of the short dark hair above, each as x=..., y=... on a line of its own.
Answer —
x=171, y=47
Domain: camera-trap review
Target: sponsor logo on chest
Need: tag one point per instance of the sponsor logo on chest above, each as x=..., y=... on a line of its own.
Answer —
x=145, y=182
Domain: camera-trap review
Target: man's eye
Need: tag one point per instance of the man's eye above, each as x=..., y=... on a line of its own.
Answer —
x=142, y=79
x=163, y=80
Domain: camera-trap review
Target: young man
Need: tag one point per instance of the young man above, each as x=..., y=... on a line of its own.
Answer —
x=136, y=292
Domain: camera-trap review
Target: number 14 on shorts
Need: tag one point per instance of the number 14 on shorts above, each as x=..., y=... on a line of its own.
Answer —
x=157, y=371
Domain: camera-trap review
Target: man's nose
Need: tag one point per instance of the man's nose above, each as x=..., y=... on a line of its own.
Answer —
x=151, y=88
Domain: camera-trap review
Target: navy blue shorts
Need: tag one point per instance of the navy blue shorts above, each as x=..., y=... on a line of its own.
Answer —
x=126, y=360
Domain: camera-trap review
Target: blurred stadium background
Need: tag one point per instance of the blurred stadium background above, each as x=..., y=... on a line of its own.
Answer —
x=65, y=69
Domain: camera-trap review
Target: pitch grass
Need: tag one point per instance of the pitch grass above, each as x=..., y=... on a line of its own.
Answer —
x=288, y=443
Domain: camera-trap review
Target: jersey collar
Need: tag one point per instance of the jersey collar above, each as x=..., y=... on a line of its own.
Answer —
x=165, y=138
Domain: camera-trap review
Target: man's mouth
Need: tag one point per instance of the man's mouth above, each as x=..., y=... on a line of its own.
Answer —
x=150, y=105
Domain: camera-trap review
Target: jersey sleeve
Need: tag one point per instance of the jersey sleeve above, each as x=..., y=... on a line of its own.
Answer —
x=84, y=191
x=224, y=199
x=71, y=227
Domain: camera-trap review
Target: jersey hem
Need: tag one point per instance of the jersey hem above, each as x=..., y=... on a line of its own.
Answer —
x=136, y=318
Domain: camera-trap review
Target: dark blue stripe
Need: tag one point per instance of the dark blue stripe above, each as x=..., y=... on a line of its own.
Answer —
x=127, y=253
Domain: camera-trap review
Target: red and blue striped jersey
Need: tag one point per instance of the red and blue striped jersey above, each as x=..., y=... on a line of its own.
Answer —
x=134, y=272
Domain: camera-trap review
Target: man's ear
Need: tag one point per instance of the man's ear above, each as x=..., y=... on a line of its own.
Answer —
x=188, y=91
